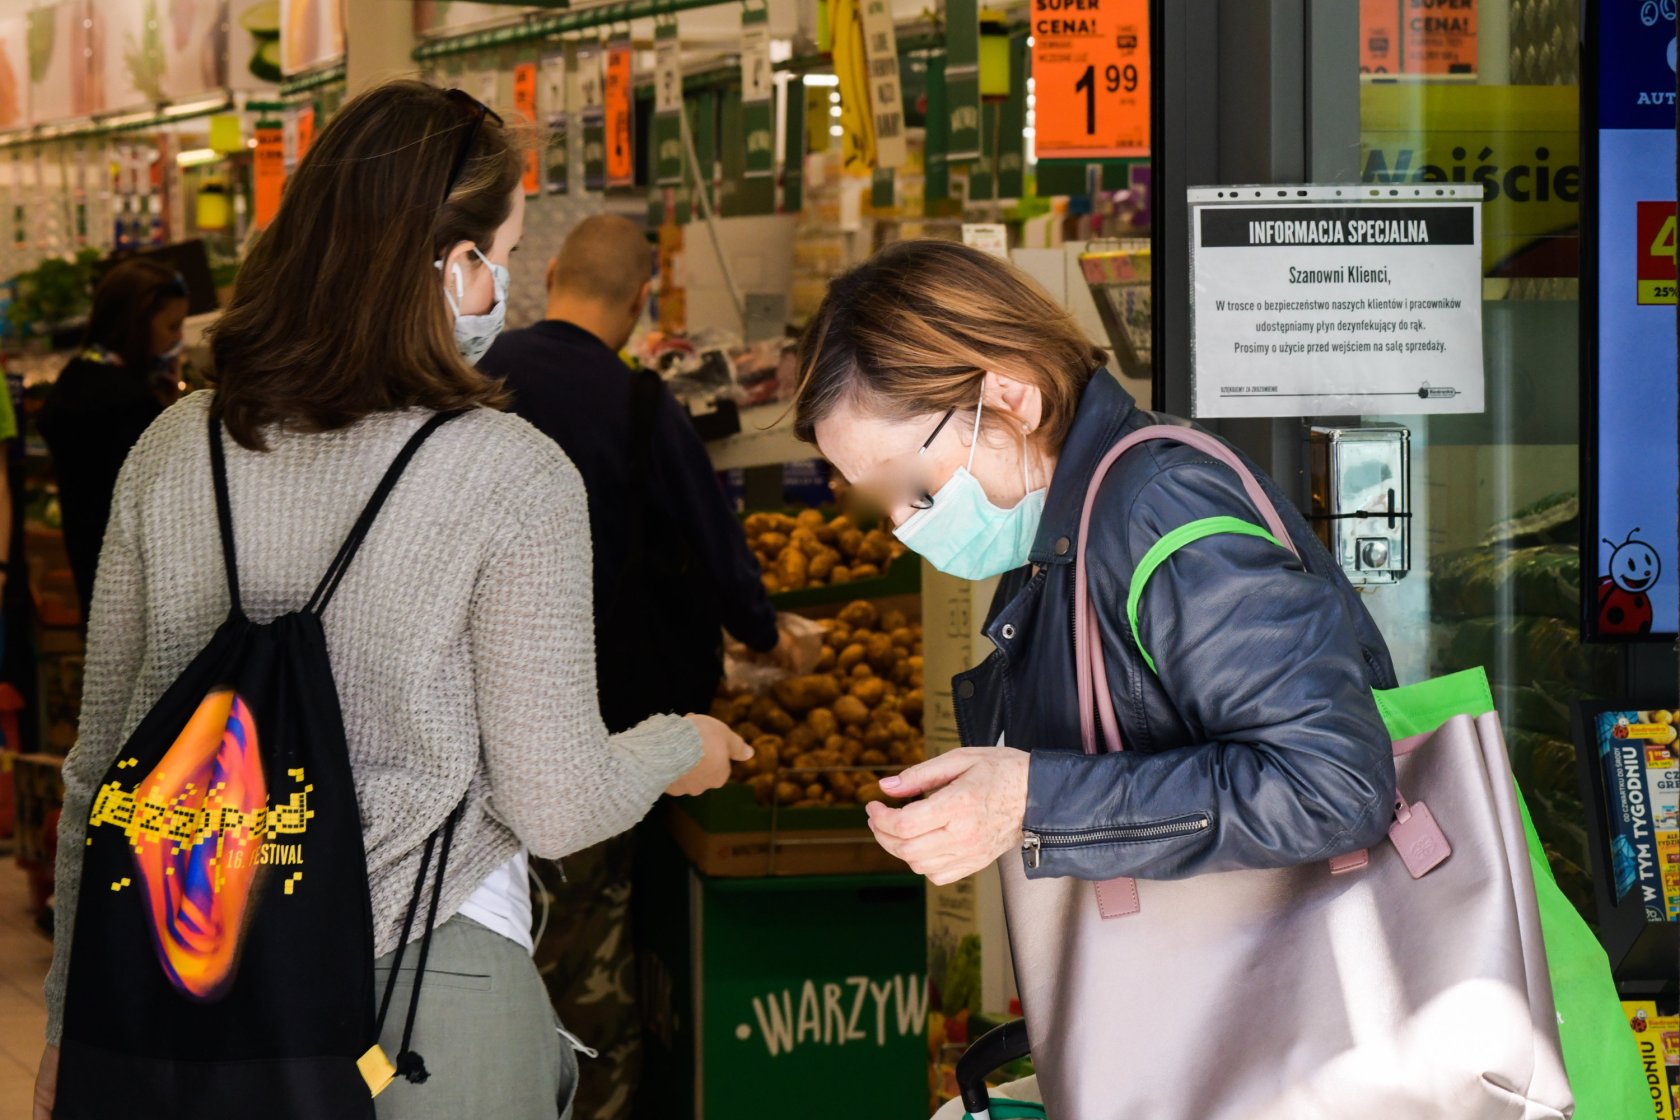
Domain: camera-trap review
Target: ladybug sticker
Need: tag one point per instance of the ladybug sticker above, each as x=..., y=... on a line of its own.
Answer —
x=1624, y=599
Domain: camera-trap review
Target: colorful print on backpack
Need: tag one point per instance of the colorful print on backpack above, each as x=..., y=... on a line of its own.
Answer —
x=198, y=825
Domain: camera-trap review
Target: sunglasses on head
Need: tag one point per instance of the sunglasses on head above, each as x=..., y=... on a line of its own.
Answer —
x=473, y=111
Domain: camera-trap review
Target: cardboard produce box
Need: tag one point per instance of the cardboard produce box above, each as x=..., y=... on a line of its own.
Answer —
x=726, y=833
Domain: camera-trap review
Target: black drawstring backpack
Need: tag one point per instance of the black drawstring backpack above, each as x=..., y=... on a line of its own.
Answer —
x=222, y=961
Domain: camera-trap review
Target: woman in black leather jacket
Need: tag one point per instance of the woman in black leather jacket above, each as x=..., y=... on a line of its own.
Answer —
x=944, y=383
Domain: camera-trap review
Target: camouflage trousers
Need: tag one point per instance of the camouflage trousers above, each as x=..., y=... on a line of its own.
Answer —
x=587, y=958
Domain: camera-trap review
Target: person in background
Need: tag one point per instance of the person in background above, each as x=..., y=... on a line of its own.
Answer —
x=107, y=396
x=672, y=569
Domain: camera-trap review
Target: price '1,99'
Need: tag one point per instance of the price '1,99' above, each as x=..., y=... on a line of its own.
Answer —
x=1116, y=78
x=1091, y=79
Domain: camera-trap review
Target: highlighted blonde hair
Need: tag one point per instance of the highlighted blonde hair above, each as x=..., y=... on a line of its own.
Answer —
x=914, y=329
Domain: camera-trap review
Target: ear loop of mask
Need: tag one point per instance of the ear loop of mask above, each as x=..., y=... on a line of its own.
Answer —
x=460, y=281
x=974, y=443
x=974, y=436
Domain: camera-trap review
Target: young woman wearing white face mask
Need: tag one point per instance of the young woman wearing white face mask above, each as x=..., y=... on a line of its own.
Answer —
x=461, y=637
x=972, y=407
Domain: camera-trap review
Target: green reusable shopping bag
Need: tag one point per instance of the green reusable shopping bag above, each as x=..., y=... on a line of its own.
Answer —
x=1598, y=1049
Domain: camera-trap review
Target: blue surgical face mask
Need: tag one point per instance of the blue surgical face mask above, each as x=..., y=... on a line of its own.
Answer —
x=964, y=535
x=475, y=333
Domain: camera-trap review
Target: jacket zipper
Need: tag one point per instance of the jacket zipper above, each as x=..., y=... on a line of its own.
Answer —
x=1033, y=843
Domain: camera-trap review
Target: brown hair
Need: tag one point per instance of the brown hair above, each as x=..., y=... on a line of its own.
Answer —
x=124, y=304
x=913, y=330
x=338, y=311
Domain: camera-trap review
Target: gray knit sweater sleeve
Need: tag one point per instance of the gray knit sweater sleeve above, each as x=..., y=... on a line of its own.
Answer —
x=534, y=667
x=115, y=646
x=461, y=641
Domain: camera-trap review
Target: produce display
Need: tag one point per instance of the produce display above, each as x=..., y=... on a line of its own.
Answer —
x=829, y=736
x=812, y=550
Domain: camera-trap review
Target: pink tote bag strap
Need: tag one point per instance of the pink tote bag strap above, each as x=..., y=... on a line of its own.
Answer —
x=1097, y=703
x=1118, y=898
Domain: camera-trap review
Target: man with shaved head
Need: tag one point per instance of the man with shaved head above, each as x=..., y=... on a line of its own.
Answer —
x=672, y=571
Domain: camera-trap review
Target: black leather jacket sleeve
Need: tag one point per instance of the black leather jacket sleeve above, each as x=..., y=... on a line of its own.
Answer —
x=1262, y=661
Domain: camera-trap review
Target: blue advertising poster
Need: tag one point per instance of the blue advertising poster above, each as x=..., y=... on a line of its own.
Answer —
x=1637, y=576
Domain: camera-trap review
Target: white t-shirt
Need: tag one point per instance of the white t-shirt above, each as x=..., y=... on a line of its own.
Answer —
x=503, y=902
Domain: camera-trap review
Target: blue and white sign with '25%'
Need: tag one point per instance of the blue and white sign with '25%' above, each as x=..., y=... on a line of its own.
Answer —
x=1336, y=300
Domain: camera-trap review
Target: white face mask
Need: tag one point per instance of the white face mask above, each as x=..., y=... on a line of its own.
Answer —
x=475, y=333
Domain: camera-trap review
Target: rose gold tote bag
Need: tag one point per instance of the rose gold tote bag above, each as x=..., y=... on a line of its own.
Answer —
x=1405, y=984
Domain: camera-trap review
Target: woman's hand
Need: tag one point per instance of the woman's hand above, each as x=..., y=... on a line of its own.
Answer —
x=46, y=1084
x=719, y=746
x=978, y=799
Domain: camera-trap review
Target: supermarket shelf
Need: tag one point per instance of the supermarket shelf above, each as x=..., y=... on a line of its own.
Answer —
x=766, y=439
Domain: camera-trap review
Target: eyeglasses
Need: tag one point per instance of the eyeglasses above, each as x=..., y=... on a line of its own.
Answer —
x=473, y=112
x=925, y=501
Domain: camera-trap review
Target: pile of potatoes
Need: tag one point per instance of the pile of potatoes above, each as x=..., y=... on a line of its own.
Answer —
x=860, y=707
x=813, y=551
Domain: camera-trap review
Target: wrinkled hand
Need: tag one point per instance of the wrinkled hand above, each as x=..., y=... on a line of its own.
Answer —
x=977, y=801
x=719, y=746
x=46, y=1085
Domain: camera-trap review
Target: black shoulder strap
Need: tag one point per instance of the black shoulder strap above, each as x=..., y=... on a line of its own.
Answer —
x=644, y=408
x=224, y=510
x=347, y=552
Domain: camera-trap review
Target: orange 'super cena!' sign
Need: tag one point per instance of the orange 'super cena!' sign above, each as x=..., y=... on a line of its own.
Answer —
x=1090, y=61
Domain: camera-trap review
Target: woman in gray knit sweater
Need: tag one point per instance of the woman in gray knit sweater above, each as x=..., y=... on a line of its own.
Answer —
x=462, y=638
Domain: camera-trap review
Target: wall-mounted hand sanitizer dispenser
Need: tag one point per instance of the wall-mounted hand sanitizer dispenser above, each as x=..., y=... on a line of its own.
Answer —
x=1362, y=500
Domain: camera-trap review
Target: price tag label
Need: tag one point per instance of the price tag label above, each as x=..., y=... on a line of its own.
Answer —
x=758, y=90
x=1656, y=231
x=289, y=140
x=755, y=58
x=1091, y=70
x=621, y=153
x=988, y=238
x=592, y=117
x=525, y=105
x=886, y=96
x=667, y=72
x=589, y=77
x=1379, y=37
x=305, y=130
x=268, y=168
x=553, y=76
x=556, y=137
